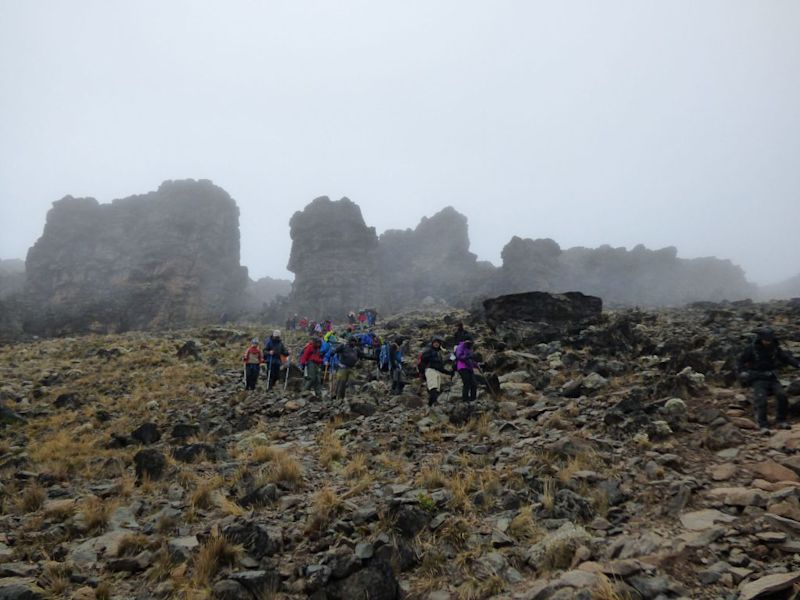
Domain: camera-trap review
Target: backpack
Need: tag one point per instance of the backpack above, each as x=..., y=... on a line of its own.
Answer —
x=420, y=366
x=383, y=357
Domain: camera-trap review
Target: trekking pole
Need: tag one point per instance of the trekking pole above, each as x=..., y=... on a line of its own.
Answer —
x=486, y=380
x=244, y=375
x=269, y=376
x=288, y=368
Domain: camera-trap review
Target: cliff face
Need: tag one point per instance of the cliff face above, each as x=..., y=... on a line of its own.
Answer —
x=334, y=258
x=162, y=259
x=431, y=260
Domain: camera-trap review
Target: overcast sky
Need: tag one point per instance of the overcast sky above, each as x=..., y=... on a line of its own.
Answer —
x=663, y=123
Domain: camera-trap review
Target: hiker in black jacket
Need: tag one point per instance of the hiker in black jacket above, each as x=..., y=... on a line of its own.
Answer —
x=348, y=358
x=275, y=352
x=757, y=366
x=432, y=364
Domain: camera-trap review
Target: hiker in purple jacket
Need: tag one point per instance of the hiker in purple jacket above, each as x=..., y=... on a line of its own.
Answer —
x=465, y=365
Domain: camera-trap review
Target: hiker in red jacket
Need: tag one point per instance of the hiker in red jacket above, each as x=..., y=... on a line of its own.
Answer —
x=311, y=362
x=253, y=359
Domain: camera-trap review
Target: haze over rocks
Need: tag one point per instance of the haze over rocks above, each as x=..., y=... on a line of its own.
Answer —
x=171, y=258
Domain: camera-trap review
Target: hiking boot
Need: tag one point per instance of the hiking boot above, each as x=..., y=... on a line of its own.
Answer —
x=764, y=430
x=783, y=425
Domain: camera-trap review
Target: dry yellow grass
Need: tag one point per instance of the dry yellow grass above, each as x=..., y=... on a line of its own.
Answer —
x=282, y=469
x=133, y=544
x=357, y=467
x=326, y=505
x=523, y=526
x=331, y=449
x=56, y=578
x=103, y=591
x=262, y=454
x=607, y=590
x=548, y=493
x=31, y=499
x=96, y=512
x=431, y=477
x=217, y=552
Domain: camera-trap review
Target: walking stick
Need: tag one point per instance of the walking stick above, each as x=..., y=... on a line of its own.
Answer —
x=244, y=375
x=486, y=379
x=269, y=375
x=288, y=368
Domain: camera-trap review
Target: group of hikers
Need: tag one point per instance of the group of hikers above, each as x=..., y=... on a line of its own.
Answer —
x=365, y=318
x=332, y=356
x=328, y=355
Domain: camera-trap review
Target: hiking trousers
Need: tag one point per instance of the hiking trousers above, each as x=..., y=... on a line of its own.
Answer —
x=763, y=388
x=313, y=378
x=251, y=375
x=469, y=390
x=273, y=374
x=342, y=377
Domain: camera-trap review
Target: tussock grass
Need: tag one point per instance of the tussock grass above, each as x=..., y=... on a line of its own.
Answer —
x=217, y=552
x=357, y=467
x=607, y=590
x=431, y=477
x=103, y=591
x=523, y=526
x=56, y=577
x=96, y=512
x=32, y=499
x=133, y=544
x=282, y=469
x=331, y=449
x=326, y=505
x=549, y=494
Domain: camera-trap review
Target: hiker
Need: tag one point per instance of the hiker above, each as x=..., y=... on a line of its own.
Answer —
x=362, y=319
x=351, y=318
x=275, y=353
x=396, y=369
x=461, y=334
x=465, y=365
x=303, y=323
x=348, y=355
x=372, y=316
x=757, y=366
x=253, y=359
x=327, y=326
x=432, y=365
x=311, y=363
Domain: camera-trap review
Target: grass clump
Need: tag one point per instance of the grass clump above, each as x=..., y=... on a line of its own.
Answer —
x=32, y=499
x=217, y=552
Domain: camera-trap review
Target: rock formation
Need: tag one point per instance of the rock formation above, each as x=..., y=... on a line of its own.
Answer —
x=163, y=259
x=335, y=259
x=431, y=260
x=624, y=277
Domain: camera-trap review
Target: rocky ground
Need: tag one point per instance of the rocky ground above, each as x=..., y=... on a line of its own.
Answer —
x=616, y=460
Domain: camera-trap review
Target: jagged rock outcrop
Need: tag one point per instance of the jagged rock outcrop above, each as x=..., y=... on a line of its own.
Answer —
x=334, y=257
x=638, y=276
x=162, y=259
x=432, y=260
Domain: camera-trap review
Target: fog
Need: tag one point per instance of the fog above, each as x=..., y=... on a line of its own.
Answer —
x=619, y=123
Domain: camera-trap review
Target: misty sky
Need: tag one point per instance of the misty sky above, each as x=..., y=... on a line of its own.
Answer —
x=663, y=123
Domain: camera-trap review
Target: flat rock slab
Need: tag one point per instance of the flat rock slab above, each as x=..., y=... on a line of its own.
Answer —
x=772, y=471
x=723, y=472
x=705, y=519
x=768, y=585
